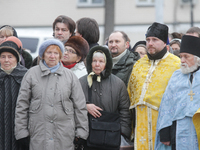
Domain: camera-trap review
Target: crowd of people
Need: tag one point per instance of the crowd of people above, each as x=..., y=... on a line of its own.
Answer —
x=153, y=88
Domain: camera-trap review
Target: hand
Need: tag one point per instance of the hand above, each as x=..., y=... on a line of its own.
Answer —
x=166, y=143
x=94, y=110
x=24, y=143
x=79, y=143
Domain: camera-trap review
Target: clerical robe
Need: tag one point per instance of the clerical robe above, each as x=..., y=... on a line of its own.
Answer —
x=146, y=86
x=180, y=102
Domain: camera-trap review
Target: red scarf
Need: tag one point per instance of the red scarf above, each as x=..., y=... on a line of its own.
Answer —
x=69, y=66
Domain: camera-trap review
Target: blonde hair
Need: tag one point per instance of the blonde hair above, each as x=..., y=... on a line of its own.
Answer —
x=8, y=31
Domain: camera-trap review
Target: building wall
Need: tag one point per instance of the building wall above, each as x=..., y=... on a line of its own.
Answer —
x=129, y=17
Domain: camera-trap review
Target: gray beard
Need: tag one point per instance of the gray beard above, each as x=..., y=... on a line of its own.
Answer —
x=185, y=69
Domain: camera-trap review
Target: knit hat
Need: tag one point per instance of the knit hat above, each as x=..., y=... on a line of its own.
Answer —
x=80, y=45
x=16, y=41
x=190, y=44
x=158, y=30
x=138, y=43
x=14, y=31
x=11, y=47
x=49, y=42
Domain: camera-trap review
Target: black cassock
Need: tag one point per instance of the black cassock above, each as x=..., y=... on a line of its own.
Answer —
x=9, y=89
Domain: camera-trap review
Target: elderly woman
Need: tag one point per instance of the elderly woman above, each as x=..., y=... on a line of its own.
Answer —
x=108, y=92
x=76, y=49
x=51, y=107
x=11, y=74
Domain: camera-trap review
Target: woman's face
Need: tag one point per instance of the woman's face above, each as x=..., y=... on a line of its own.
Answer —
x=52, y=56
x=98, y=64
x=7, y=60
x=70, y=56
x=3, y=36
x=175, y=46
x=141, y=51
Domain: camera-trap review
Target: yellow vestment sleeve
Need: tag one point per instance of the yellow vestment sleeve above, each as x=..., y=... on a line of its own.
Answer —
x=196, y=122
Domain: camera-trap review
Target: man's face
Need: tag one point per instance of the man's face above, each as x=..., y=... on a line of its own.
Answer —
x=117, y=44
x=188, y=63
x=62, y=32
x=154, y=45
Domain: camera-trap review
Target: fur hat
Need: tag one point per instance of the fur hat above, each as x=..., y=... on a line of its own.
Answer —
x=190, y=44
x=49, y=42
x=158, y=30
x=11, y=47
x=80, y=45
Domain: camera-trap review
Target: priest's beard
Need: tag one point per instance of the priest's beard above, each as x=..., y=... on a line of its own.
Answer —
x=185, y=69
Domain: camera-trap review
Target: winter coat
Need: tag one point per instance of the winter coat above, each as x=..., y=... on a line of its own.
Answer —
x=110, y=94
x=51, y=109
x=9, y=89
x=124, y=66
x=79, y=69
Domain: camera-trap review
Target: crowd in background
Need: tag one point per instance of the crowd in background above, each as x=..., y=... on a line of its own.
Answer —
x=47, y=102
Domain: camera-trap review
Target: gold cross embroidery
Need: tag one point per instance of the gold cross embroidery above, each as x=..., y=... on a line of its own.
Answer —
x=191, y=95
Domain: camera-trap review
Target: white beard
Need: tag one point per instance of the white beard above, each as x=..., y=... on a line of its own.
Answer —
x=185, y=69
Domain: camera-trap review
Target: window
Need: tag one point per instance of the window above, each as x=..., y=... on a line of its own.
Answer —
x=90, y=3
x=29, y=43
x=145, y=2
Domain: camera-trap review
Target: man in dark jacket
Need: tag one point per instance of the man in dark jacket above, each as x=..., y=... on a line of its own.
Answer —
x=123, y=59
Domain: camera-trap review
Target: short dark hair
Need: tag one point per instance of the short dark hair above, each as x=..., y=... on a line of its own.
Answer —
x=176, y=35
x=194, y=30
x=124, y=36
x=66, y=20
x=89, y=29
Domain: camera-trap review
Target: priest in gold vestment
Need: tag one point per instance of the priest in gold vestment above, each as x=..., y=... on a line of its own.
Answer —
x=147, y=83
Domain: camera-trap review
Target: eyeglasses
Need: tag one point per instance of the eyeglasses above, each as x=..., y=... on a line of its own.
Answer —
x=70, y=51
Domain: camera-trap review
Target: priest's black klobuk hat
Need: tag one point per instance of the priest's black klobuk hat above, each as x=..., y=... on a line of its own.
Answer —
x=158, y=30
x=190, y=44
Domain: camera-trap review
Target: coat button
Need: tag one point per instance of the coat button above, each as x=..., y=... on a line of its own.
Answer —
x=51, y=121
x=100, y=93
x=51, y=105
x=95, y=90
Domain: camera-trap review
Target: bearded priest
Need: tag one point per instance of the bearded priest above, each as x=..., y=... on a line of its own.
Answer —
x=147, y=83
x=178, y=121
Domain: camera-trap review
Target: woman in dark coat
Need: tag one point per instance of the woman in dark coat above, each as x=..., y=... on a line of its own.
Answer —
x=11, y=74
x=108, y=92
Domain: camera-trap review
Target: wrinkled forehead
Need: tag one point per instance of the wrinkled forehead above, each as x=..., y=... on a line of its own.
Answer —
x=186, y=55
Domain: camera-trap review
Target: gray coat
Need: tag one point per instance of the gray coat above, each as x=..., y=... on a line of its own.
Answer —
x=51, y=109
